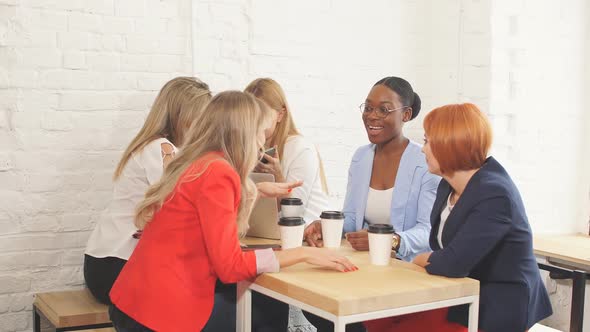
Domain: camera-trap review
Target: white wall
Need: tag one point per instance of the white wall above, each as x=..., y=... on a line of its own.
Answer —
x=76, y=80
x=77, y=77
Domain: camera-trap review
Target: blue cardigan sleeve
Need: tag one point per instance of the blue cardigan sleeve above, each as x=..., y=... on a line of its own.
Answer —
x=349, y=208
x=415, y=239
x=487, y=223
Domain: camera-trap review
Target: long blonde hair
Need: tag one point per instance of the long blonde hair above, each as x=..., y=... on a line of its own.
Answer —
x=173, y=111
x=271, y=92
x=229, y=124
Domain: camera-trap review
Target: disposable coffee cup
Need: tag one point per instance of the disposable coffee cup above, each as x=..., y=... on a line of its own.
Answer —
x=291, y=229
x=291, y=207
x=332, y=223
x=380, y=241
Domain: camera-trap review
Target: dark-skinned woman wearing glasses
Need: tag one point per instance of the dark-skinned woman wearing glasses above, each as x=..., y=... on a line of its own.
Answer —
x=388, y=180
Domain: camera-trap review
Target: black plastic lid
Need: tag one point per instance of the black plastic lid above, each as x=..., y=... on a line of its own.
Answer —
x=291, y=201
x=381, y=229
x=332, y=215
x=291, y=221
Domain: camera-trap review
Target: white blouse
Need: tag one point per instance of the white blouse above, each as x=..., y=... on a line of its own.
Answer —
x=444, y=215
x=113, y=234
x=301, y=162
x=378, y=209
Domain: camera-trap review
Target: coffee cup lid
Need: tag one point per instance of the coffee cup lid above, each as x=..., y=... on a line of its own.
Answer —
x=332, y=215
x=381, y=229
x=291, y=201
x=291, y=221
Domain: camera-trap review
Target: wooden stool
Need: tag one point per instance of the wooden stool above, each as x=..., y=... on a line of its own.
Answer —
x=71, y=310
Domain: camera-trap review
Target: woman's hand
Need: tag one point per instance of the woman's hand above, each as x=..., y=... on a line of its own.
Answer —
x=358, y=240
x=315, y=256
x=313, y=234
x=422, y=259
x=272, y=167
x=276, y=189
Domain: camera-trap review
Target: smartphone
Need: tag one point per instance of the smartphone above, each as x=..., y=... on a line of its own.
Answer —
x=248, y=247
x=270, y=152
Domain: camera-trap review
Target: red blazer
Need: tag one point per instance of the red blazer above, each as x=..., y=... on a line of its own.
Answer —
x=168, y=284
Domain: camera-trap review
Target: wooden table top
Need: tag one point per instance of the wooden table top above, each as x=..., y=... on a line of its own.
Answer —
x=572, y=249
x=371, y=288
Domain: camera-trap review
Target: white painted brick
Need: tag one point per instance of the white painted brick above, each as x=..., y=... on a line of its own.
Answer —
x=8, y=57
x=77, y=221
x=88, y=101
x=46, y=223
x=113, y=43
x=78, y=40
x=31, y=38
x=6, y=161
x=165, y=9
x=138, y=101
x=130, y=8
x=8, y=225
x=55, y=4
x=23, y=78
x=104, y=7
x=71, y=79
x=74, y=60
x=36, y=101
x=121, y=81
x=12, y=180
x=118, y=25
x=166, y=63
x=135, y=63
x=74, y=257
x=151, y=26
x=29, y=259
x=13, y=284
x=141, y=44
x=40, y=58
x=152, y=81
x=84, y=22
x=171, y=45
x=103, y=62
x=15, y=321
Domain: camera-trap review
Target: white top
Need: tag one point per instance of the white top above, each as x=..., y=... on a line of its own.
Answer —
x=378, y=209
x=113, y=234
x=444, y=215
x=301, y=162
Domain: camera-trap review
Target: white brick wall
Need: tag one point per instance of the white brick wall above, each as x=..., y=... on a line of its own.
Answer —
x=77, y=76
x=76, y=80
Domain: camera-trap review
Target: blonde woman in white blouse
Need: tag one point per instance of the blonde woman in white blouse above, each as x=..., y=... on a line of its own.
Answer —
x=296, y=157
x=115, y=235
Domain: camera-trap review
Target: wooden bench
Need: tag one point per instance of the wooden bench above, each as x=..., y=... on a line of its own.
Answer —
x=70, y=310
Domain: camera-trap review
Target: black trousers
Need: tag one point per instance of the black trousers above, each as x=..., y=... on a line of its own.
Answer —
x=324, y=325
x=268, y=315
x=100, y=275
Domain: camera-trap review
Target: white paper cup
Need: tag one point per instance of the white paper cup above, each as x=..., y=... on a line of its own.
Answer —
x=291, y=207
x=380, y=241
x=332, y=224
x=291, y=229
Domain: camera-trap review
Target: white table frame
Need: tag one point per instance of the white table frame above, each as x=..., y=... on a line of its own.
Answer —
x=244, y=308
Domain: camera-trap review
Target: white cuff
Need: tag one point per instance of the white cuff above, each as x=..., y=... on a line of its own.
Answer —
x=266, y=261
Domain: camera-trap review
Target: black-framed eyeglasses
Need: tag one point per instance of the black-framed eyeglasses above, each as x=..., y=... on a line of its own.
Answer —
x=381, y=111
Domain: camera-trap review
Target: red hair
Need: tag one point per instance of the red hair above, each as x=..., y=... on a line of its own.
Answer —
x=459, y=136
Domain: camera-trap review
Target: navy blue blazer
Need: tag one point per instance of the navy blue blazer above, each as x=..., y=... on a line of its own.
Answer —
x=487, y=237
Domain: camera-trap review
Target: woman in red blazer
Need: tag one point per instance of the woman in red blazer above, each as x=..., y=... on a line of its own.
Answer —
x=191, y=222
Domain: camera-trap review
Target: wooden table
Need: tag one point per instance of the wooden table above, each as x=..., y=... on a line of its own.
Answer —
x=372, y=292
x=567, y=257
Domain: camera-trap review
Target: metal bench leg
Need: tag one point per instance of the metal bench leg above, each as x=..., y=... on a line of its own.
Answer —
x=36, y=320
x=578, y=293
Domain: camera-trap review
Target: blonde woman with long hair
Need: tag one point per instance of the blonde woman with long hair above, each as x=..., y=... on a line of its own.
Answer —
x=191, y=221
x=142, y=164
x=296, y=158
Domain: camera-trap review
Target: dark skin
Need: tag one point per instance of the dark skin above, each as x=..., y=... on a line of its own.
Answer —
x=387, y=134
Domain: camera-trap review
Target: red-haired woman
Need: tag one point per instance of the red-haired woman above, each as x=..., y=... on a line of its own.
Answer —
x=479, y=230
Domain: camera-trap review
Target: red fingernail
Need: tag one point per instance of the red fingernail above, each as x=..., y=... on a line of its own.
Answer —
x=289, y=190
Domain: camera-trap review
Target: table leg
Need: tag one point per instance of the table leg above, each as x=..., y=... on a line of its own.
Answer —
x=244, y=307
x=339, y=325
x=36, y=320
x=578, y=293
x=473, y=315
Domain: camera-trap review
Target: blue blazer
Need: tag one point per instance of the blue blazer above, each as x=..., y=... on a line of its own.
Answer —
x=487, y=237
x=413, y=195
